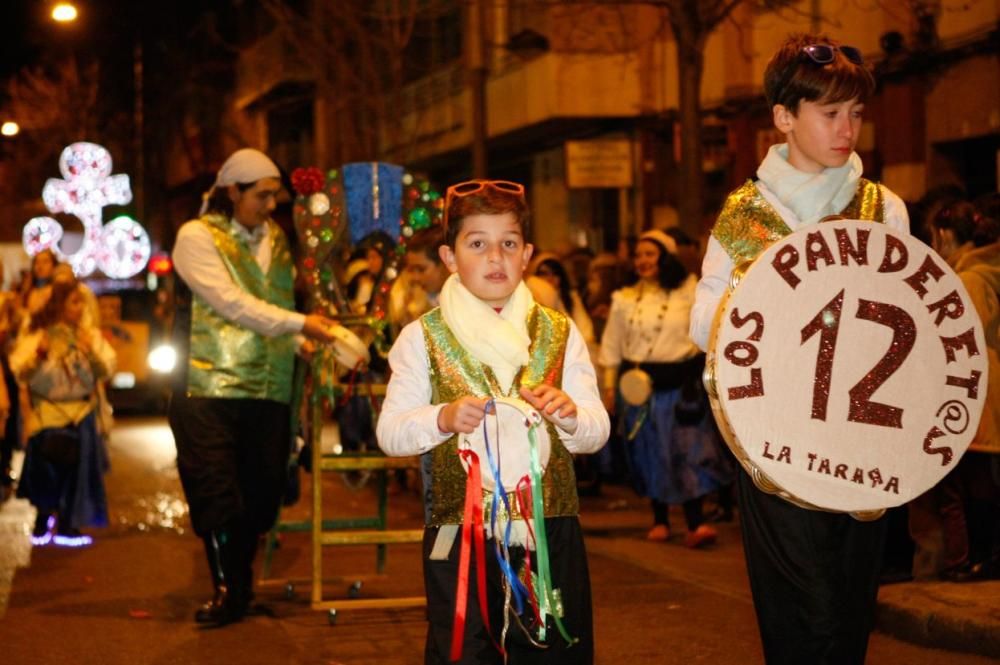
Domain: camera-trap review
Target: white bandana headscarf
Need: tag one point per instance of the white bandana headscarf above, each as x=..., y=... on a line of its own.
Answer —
x=498, y=340
x=243, y=166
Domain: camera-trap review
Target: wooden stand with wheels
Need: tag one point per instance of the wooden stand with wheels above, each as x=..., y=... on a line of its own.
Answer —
x=369, y=530
x=381, y=537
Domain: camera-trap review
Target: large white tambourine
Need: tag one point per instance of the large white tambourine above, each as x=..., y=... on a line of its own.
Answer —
x=349, y=349
x=508, y=428
x=847, y=368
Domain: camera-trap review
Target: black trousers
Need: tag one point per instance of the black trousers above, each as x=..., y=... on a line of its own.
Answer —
x=232, y=456
x=568, y=565
x=814, y=577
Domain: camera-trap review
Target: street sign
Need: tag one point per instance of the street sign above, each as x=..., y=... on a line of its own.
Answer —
x=599, y=163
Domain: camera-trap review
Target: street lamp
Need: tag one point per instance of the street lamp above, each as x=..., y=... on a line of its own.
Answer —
x=64, y=12
x=10, y=128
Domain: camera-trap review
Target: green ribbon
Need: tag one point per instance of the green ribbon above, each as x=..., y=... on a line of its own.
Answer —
x=637, y=425
x=547, y=601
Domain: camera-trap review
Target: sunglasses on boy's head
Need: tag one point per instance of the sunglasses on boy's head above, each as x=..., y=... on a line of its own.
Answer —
x=470, y=187
x=474, y=186
x=824, y=54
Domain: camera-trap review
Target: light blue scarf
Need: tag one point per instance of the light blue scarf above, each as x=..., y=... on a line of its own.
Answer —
x=810, y=196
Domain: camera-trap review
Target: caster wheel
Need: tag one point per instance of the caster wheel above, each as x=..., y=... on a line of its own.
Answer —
x=289, y=591
x=331, y=617
x=355, y=590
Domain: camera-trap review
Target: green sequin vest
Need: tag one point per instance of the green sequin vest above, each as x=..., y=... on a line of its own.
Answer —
x=748, y=224
x=454, y=373
x=226, y=359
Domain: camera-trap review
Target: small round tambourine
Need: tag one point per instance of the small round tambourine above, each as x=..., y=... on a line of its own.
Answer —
x=636, y=386
x=847, y=368
x=349, y=349
x=508, y=426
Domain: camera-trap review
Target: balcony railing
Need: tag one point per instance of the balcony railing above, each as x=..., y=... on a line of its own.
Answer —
x=270, y=62
x=439, y=86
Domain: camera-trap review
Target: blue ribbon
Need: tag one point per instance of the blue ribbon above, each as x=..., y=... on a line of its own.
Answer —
x=519, y=591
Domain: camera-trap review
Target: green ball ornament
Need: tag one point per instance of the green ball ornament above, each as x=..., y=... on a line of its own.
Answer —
x=419, y=218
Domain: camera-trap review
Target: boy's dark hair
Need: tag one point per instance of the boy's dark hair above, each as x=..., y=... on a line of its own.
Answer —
x=427, y=242
x=967, y=223
x=220, y=203
x=52, y=312
x=792, y=76
x=487, y=201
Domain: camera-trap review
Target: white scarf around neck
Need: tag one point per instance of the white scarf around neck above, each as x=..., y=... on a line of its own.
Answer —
x=499, y=340
x=810, y=196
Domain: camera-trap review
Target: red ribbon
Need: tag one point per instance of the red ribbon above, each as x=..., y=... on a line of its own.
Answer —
x=472, y=525
x=523, y=494
x=349, y=392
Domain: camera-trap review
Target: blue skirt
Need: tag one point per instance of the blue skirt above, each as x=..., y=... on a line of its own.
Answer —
x=77, y=492
x=673, y=462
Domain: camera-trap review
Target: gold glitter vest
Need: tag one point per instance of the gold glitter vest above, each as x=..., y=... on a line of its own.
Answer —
x=231, y=361
x=748, y=224
x=454, y=373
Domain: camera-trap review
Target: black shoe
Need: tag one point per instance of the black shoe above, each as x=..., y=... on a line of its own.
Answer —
x=214, y=611
x=967, y=572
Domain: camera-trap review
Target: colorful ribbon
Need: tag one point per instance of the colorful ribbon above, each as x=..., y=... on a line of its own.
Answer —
x=472, y=527
x=543, y=582
x=500, y=495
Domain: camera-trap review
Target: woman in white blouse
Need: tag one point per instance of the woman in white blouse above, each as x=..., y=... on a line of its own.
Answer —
x=674, y=451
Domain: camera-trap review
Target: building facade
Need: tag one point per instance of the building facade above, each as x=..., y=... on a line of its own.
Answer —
x=581, y=102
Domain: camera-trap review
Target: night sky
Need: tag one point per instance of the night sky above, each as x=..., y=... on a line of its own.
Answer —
x=106, y=29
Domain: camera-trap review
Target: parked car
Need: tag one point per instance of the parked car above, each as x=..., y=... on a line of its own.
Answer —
x=136, y=322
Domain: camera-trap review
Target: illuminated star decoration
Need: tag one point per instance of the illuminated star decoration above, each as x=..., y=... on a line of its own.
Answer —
x=120, y=249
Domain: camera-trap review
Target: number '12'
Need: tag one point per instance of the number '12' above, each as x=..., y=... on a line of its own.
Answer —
x=827, y=324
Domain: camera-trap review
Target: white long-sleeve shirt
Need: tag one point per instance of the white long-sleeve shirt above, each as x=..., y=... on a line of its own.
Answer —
x=648, y=324
x=200, y=265
x=408, y=422
x=717, y=265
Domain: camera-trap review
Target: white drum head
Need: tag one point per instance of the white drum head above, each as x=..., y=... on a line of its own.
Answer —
x=848, y=368
x=348, y=348
x=507, y=430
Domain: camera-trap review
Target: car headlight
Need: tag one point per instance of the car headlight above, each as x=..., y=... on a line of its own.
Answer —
x=162, y=359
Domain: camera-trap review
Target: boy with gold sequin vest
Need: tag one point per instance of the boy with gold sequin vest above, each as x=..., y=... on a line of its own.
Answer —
x=230, y=407
x=814, y=575
x=488, y=339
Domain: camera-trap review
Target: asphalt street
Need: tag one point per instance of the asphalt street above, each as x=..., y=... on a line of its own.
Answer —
x=129, y=597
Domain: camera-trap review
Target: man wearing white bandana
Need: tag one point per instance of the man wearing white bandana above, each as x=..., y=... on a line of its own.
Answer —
x=489, y=339
x=229, y=413
x=814, y=575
